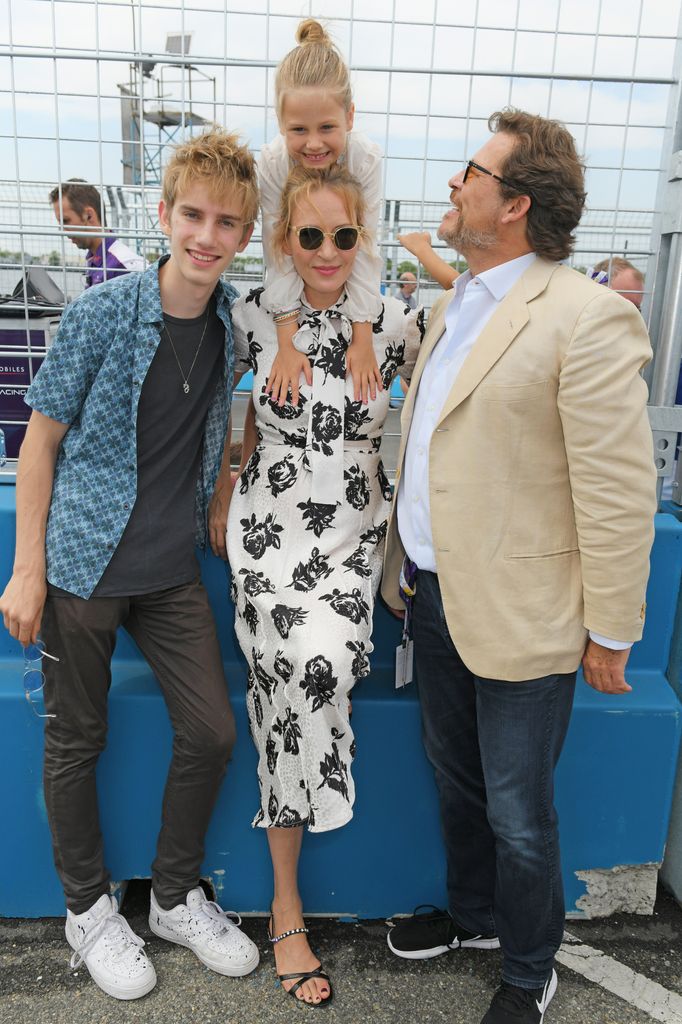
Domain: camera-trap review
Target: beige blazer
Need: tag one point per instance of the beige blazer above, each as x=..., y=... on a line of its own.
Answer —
x=541, y=478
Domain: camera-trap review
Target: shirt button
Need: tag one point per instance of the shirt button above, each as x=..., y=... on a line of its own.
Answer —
x=131, y=467
x=110, y=546
x=136, y=383
x=126, y=505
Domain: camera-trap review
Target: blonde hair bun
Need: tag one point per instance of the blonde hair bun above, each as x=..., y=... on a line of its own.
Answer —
x=311, y=31
x=315, y=63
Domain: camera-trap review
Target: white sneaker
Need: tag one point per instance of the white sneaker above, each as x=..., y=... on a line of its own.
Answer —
x=110, y=949
x=208, y=931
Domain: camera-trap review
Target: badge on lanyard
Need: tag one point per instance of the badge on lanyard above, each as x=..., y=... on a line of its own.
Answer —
x=404, y=652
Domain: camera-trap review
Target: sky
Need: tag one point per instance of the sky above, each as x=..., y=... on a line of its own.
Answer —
x=427, y=123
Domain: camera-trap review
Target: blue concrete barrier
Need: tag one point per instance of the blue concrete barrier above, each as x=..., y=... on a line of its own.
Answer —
x=615, y=778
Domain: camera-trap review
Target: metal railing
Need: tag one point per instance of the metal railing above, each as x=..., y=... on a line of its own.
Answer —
x=87, y=89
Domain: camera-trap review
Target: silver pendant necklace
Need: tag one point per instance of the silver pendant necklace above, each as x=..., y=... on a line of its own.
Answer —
x=185, y=380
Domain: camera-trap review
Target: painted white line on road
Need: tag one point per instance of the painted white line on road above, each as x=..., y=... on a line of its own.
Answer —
x=615, y=977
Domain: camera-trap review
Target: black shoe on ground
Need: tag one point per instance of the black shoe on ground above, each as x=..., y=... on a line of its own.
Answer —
x=425, y=935
x=513, y=1005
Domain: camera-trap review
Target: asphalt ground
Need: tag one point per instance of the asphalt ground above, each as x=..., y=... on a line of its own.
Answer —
x=370, y=984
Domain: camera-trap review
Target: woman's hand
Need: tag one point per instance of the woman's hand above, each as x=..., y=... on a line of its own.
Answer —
x=218, y=509
x=285, y=375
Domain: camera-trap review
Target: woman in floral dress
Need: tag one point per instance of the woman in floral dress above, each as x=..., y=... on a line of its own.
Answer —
x=305, y=535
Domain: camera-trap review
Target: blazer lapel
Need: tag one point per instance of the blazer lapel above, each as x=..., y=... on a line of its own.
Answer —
x=510, y=317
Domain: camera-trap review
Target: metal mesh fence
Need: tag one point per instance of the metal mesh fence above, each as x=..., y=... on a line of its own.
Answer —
x=100, y=89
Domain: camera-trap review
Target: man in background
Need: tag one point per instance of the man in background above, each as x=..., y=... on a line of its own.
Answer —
x=79, y=206
x=408, y=286
x=623, y=278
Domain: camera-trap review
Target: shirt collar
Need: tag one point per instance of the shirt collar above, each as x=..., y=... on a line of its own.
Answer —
x=150, y=311
x=461, y=282
x=97, y=258
x=501, y=279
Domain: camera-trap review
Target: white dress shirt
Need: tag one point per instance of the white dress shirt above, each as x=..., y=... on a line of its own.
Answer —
x=475, y=300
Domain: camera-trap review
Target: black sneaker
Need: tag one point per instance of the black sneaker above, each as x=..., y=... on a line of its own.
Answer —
x=513, y=1005
x=423, y=936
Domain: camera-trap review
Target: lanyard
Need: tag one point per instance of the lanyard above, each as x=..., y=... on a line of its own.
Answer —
x=405, y=651
x=408, y=588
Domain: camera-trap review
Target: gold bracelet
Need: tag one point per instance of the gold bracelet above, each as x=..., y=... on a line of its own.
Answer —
x=285, y=318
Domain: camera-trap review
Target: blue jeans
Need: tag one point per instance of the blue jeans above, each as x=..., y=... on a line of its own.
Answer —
x=494, y=746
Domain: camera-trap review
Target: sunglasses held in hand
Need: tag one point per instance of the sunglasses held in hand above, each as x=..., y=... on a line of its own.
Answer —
x=34, y=677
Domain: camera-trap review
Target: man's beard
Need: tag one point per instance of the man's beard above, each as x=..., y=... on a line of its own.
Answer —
x=465, y=239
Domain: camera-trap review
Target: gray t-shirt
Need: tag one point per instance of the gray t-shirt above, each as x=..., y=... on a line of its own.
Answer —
x=156, y=550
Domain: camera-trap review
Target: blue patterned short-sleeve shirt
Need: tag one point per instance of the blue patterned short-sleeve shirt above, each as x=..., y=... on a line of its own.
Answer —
x=91, y=380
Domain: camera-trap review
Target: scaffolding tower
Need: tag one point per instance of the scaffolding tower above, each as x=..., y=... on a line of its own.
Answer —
x=157, y=110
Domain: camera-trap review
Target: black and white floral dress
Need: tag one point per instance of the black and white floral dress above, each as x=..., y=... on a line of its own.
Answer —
x=305, y=541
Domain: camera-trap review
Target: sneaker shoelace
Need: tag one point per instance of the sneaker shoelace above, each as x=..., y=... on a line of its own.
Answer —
x=218, y=921
x=122, y=938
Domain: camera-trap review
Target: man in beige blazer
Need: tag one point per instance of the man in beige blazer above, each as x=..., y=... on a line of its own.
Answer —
x=525, y=495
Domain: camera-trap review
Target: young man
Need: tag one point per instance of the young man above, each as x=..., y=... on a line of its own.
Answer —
x=122, y=450
x=79, y=206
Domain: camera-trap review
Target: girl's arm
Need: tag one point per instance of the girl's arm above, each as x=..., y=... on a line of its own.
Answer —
x=273, y=168
x=419, y=244
x=283, y=286
x=364, y=159
x=363, y=305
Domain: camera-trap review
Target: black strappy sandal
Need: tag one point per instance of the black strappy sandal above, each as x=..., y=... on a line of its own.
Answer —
x=299, y=976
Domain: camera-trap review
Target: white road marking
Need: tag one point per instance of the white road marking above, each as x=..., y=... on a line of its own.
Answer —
x=615, y=977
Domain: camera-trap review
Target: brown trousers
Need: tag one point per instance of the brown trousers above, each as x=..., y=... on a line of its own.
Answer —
x=176, y=633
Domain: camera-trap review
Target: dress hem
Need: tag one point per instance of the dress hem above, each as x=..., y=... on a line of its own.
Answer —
x=304, y=823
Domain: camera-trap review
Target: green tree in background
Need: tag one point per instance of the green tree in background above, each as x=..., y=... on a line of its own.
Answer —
x=407, y=266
